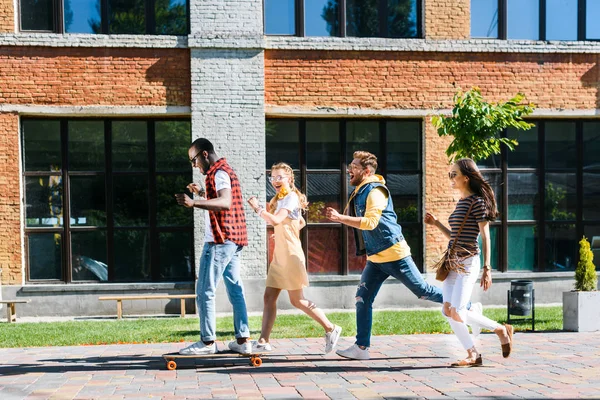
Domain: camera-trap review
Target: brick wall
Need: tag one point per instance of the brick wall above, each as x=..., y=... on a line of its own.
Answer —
x=10, y=234
x=420, y=80
x=447, y=19
x=7, y=16
x=87, y=76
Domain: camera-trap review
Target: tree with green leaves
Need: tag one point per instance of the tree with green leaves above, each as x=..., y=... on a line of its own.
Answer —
x=476, y=125
x=585, y=273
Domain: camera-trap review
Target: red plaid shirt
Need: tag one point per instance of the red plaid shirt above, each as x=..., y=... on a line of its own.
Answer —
x=227, y=224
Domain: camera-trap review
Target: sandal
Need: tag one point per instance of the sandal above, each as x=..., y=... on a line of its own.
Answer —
x=507, y=347
x=468, y=363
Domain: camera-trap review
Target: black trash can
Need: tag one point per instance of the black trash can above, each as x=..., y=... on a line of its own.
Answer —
x=521, y=300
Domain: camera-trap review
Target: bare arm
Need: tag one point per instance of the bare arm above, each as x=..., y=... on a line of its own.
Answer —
x=302, y=222
x=335, y=216
x=486, y=276
x=220, y=203
x=430, y=219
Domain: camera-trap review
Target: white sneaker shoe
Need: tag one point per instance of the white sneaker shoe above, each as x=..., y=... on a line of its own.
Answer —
x=261, y=347
x=244, y=348
x=331, y=338
x=354, y=352
x=199, y=348
x=478, y=309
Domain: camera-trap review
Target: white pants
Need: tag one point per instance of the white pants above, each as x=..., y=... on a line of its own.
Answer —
x=457, y=290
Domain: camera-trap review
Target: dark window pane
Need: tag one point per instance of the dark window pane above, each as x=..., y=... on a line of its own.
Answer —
x=591, y=196
x=173, y=139
x=591, y=145
x=45, y=255
x=176, y=256
x=402, y=18
x=405, y=191
x=484, y=18
x=494, y=232
x=412, y=234
x=324, y=251
x=88, y=205
x=130, y=200
x=130, y=145
x=492, y=161
x=523, y=19
x=280, y=17
x=356, y=264
x=362, y=18
x=592, y=233
x=522, y=248
x=89, y=256
x=86, y=145
x=561, y=201
x=171, y=17
x=41, y=145
x=82, y=16
x=592, y=16
x=561, y=151
x=132, y=257
x=525, y=155
x=282, y=143
x=323, y=145
x=44, y=200
x=561, y=19
x=169, y=213
x=561, y=247
x=403, y=145
x=127, y=16
x=362, y=135
x=522, y=196
x=321, y=18
x=323, y=190
x=495, y=181
x=37, y=15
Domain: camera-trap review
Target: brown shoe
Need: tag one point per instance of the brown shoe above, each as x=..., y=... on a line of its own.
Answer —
x=468, y=363
x=507, y=347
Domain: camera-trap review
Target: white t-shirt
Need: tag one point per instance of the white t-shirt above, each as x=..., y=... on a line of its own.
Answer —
x=222, y=181
x=290, y=202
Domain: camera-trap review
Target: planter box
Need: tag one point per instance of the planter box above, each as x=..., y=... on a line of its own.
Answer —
x=581, y=311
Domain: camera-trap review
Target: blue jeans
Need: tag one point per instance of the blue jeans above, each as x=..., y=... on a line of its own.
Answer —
x=220, y=261
x=371, y=280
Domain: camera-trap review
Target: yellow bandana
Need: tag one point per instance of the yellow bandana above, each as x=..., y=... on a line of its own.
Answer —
x=282, y=193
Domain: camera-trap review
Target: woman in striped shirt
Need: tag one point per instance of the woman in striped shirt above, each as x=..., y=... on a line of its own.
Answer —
x=476, y=194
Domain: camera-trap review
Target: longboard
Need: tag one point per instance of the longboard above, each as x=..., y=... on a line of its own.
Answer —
x=171, y=363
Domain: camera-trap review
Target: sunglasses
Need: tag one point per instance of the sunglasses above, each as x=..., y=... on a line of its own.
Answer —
x=277, y=178
x=452, y=175
x=193, y=160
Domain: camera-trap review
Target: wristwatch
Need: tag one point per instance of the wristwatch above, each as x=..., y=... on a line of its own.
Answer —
x=488, y=267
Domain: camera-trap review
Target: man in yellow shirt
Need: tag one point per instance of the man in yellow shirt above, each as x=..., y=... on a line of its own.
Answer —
x=370, y=212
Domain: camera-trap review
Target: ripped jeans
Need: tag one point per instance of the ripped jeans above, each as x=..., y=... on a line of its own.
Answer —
x=371, y=280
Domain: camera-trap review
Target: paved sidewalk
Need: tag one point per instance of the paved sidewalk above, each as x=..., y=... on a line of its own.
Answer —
x=544, y=365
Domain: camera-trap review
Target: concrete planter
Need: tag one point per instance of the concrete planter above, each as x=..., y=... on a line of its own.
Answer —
x=581, y=311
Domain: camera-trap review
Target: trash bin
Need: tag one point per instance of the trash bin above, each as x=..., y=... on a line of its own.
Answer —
x=521, y=301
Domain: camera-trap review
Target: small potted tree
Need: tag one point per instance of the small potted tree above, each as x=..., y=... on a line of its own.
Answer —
x=581, y=307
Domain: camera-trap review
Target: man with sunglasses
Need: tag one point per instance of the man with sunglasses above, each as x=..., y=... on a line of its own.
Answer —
x=370, y=212
x=224, y=237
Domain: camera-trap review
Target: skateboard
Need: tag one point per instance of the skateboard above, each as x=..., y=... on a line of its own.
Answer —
x=171, y=363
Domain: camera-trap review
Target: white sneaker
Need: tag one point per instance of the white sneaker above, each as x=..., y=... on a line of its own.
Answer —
x=199, y=348
x=354, y=352
x=244, y=348
x=261, y=347
x=478, y=309
x=331, y=338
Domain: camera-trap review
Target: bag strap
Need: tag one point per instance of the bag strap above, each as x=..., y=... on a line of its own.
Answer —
x=462, y=225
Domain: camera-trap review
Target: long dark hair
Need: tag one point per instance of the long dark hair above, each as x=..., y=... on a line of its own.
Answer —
x=479, y=186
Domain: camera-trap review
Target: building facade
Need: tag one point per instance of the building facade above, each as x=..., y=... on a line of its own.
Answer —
x=99, y=101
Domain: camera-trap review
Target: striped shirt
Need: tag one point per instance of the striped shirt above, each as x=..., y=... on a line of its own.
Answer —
x=470, y=233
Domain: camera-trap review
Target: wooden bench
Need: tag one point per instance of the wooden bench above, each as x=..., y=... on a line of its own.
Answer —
x=11, y=311
x=120, y=299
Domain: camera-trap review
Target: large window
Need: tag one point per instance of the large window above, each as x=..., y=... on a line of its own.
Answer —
x=550, y=197
x=535, y=19
x=99, y=202
x=159, y=17
x=358, y=18
x=319, y=150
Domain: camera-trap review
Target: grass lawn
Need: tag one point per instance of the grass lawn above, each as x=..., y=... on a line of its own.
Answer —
x=157, y=330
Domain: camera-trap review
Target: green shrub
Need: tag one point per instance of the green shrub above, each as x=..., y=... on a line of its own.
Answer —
x=585, y=274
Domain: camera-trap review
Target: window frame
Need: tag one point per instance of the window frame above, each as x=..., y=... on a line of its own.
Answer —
x=152, y=228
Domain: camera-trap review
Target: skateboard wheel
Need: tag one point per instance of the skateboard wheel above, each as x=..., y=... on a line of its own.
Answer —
x=171, y=365
x=257, y=361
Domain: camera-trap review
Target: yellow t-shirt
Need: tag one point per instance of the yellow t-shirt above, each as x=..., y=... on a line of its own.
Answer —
x=376, y=203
